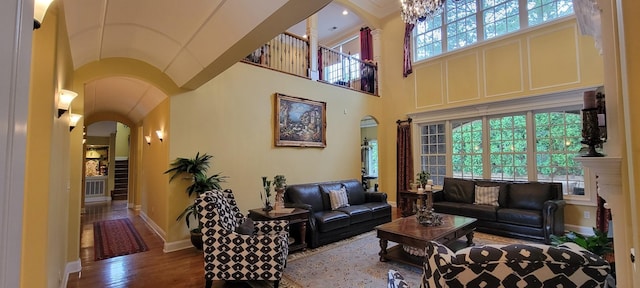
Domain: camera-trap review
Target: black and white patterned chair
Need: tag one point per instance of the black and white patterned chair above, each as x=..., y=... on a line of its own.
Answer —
x=229, y=255
x=515, y=265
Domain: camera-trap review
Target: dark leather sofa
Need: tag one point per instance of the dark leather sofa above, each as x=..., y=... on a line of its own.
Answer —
x=365, y=211
x=526, y=210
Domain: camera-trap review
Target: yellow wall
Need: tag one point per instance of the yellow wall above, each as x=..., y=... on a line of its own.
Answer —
x=122, y=140
x=546, y=60
x=154, y=194
x=232, y=118
x=46, y=228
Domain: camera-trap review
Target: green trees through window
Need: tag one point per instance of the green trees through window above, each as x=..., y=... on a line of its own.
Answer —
x=503, y=146
x=465, y=22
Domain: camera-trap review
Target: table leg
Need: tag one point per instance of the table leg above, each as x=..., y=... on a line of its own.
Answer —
x=470, y=239
x=383, y=250
x=303, y=235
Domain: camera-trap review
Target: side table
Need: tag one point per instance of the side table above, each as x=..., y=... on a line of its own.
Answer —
x=298, y=217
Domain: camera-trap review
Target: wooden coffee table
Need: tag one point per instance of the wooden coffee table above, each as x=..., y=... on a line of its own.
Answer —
x=407, y=231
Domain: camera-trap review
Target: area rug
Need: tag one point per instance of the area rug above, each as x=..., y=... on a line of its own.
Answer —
x=116, y=238
x=354, y=262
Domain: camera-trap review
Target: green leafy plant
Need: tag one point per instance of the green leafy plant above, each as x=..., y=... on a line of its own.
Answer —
x=279, y=182
x=423, y=177
x=194, y=170
x=598, y=243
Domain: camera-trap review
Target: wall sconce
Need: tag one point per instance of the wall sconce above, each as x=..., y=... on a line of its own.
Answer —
x=160, y=134
x=64, y=100
x=73, y=120
x=148, y=139
x=39, y=10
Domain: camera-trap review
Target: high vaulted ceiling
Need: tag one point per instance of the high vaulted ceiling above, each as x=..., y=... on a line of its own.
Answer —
x=191, y=42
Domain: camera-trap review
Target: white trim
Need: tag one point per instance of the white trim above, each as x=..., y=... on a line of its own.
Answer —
x=177, y=246
x=154, y=226
x=97, y=199
x=484, y=66
x=529, y=63
x=537, y=102
x=15, y=78
x=71, y=267
x=121, y=158
x=586, y=231
x=477, y=58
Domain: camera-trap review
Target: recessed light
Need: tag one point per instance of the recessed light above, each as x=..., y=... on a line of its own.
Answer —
x=345, y=12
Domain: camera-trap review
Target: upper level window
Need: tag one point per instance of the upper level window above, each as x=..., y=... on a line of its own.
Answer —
x=465, y=22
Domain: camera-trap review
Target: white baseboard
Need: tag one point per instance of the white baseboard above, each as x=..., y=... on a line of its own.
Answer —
x=97, y=199
x=587, y=231
x=137, y=207
x=154, y=226
x=120, y=158
x=71, y=267
x=393, y=203
x=177, y=245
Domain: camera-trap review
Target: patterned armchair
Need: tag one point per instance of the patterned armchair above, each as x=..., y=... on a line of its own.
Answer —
x=229, y=255
x=515, y=265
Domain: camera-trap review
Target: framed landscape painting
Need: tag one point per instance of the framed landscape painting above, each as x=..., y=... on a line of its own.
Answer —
x=300, y=122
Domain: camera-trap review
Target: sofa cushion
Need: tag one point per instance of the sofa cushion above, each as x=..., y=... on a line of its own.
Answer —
x=480, y=212
x=331, y=220
x=529, y=196
x=325, y=188
x=379, y=209
x=357, y=213
x=504, y=189
x=531, y=218
x=487, y=195
x=354, y=191
x=338, y=198
x=305, y=193
x=458, y=190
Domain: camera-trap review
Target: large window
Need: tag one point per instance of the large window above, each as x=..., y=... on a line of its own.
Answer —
x=557, y=144
x=534, y=145
x=466, y=151
x=433, y=151
x=508, y=147
x=465, y=22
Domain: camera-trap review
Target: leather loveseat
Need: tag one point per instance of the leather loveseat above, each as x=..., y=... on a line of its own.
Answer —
x=527, y=210
x=365, y=211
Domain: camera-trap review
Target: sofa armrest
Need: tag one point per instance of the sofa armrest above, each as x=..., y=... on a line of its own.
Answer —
x=438, y=196
x=553, y=218
x=375, y=197
x=299, y=205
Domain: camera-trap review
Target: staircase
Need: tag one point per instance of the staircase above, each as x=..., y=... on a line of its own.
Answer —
x=120, y=180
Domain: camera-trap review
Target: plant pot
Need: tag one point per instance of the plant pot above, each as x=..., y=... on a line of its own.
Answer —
x=196, y=240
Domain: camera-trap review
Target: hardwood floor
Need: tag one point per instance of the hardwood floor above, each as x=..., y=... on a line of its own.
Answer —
x=152, y=268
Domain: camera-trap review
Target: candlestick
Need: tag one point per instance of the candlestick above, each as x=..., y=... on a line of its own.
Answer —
x=589, y=98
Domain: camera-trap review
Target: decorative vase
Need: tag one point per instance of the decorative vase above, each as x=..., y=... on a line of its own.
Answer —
x=279, y=199
x=196, y=239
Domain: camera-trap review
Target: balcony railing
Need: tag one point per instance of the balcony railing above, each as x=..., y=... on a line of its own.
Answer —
x=289, y=53
x=346, y=70
x=286, y=53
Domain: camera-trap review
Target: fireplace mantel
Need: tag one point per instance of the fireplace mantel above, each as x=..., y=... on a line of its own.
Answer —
x=608, y=173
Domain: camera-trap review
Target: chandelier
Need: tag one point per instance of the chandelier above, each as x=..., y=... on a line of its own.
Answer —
x=414, y=10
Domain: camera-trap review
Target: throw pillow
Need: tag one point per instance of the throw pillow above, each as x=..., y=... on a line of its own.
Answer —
x=246, y=228
x=338, y=198
x=487, y=195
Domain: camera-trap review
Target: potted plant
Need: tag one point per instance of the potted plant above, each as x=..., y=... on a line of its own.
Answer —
x=598, y=243
x=194, y=170
x=423, y=178
x=279, y=183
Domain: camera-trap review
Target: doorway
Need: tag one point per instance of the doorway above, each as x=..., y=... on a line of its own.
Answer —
x=369, y=153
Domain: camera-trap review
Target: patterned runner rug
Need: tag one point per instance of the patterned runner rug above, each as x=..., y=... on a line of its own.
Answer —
x=116, y=238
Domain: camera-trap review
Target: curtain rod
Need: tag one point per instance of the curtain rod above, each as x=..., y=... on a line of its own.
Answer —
x=402, y=121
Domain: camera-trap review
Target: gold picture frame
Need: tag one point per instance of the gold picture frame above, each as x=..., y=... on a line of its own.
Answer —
x=300, y=122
